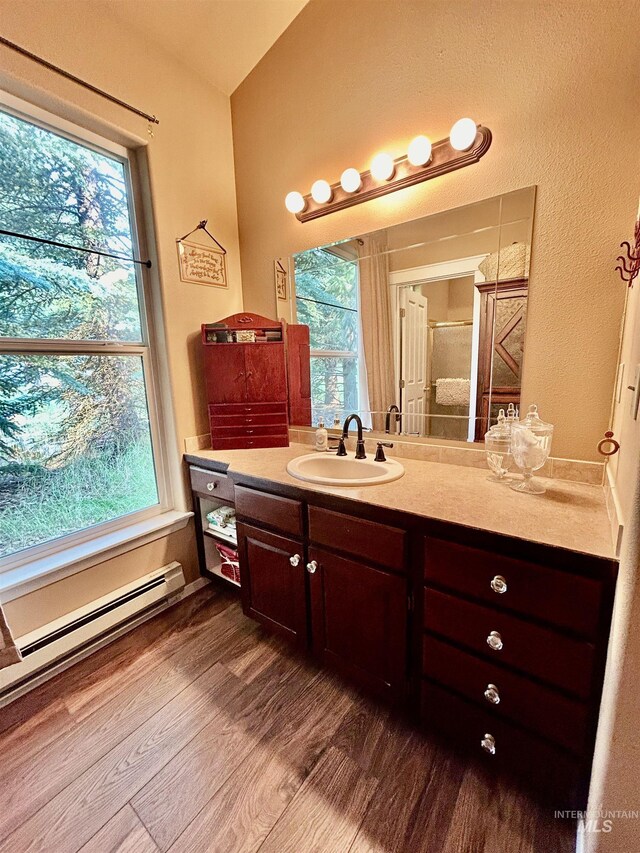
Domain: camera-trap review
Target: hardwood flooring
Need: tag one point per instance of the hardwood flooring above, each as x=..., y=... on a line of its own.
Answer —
x=199, y=733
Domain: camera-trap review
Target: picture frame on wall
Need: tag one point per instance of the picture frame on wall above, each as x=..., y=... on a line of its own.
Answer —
x=281, y=276
x=202, y=264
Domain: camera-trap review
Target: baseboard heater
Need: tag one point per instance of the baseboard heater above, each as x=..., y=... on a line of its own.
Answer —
x=63, y=642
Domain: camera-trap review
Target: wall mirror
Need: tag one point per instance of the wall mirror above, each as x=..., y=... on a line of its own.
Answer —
x=427, y=316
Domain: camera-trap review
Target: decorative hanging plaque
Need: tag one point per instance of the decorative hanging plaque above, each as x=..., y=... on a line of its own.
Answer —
x=201, y=264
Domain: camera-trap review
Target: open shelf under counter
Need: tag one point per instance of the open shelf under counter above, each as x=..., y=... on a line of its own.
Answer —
x=227, y=538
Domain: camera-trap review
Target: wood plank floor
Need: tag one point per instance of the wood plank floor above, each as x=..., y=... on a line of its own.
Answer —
x=198, y=733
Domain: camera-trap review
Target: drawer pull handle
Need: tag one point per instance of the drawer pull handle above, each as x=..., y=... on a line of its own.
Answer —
x=312, y=566
x=488, y=743
x=492, y=694
x=494, y=641
x=211, y=486
x=499, y=584
x=295, y=560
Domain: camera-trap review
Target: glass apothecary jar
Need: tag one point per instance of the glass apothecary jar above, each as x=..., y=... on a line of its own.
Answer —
x=497, y=445
x=530, y=446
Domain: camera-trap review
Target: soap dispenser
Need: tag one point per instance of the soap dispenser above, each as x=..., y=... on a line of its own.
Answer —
x=322, y=438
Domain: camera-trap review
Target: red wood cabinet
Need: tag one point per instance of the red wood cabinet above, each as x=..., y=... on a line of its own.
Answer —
x=246, y=382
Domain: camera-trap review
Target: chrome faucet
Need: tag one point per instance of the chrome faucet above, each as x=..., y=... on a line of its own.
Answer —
x=342, y=451
x=387, y=423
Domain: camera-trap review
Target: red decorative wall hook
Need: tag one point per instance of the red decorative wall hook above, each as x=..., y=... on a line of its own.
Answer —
x=629, y=267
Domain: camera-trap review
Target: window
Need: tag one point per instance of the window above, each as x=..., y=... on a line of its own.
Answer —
x=327, y=301
x=76, y=435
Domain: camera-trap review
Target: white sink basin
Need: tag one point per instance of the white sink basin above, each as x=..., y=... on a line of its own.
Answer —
x=331, y=470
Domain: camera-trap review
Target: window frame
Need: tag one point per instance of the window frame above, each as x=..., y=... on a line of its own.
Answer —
x=146, y=348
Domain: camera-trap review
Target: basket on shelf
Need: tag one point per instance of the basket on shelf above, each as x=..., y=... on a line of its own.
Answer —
x=230, y=565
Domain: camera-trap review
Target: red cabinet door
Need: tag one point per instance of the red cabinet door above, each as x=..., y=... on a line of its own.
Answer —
x=273, y=582
x=359, y=621
x=224, y=368
x=266, y=377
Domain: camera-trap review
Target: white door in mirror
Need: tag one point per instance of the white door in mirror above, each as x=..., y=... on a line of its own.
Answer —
x=344, y=471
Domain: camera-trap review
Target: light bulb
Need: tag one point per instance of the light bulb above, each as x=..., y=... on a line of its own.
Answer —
x=321, y=192
x=382, y=167
x=294, y=202
x=350, y=180
x=419, y=151
x=463, y=134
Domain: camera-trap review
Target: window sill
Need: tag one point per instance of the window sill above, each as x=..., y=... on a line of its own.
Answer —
x=46, y=570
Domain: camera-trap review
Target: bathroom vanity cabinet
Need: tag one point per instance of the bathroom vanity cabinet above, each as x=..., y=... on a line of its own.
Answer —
x=495, y=643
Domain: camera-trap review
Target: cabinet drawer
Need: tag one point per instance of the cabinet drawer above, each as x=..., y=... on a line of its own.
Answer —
x=554, y=596
x=546, y=654
x=231, y=431
x=240, y=442
x=541, y=709
x=229, y=409
x=248, y=420
x=280, y=513
x=377, y=542
x=209, y=484
x=551, y=772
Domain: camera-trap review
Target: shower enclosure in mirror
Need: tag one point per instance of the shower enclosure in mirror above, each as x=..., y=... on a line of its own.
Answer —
x=419, y=327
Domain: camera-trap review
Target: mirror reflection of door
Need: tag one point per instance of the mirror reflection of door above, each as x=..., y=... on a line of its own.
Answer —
x=413, y=358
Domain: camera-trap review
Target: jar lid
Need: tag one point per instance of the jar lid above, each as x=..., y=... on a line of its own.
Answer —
x=501, y=429
x=533, y=421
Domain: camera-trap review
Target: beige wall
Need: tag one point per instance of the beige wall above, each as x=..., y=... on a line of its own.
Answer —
x=191, y=172
x=557, y=84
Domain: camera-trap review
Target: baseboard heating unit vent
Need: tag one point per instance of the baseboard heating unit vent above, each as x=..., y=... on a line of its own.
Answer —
x=63, y=642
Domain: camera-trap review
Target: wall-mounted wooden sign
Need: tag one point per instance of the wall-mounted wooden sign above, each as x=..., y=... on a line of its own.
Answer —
x=202, y=264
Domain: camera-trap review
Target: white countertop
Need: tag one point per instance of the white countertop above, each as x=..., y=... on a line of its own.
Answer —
x=570, y=515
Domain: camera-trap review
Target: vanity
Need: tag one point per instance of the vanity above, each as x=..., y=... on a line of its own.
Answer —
x=488, y=627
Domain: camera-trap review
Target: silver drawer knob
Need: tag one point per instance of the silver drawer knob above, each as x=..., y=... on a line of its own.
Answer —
x=295, y=560
x=499, y=584
x=492, y=695
x=311, y=567
x=488, y=743
x=211, y=486
x=494, y=641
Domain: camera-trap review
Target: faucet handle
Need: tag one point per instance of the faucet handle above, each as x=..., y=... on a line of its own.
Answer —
x=380, y=457
x=342, y=450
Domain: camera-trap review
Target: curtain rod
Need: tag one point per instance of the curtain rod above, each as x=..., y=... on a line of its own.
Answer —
x=74, y=248
x=13, y=46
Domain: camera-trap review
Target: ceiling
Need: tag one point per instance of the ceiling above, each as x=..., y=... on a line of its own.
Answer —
x=221, y=40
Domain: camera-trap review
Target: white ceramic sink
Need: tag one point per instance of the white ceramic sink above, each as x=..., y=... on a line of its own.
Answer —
x=331, y=470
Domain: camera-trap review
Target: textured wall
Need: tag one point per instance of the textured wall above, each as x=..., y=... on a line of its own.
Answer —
x=557, y=83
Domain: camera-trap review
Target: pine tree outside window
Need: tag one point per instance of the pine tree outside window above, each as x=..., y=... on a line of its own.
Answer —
x=79, y=435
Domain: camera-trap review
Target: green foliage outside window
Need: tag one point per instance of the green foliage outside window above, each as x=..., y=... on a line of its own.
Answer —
x=327, y=301
x=66, y=419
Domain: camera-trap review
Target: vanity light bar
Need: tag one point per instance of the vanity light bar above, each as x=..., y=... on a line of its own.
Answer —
x=386, y=175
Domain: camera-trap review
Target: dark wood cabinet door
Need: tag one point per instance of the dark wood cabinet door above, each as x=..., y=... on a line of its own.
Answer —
x=224, y=368
x=359, y=621
x=266, y=374
x=272, y=569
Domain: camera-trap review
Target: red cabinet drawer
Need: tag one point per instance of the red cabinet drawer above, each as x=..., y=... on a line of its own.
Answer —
x=231, y=431
x=552, y=773
x=279, y=418
x=521, y=700
x=546, y=654
x=247, y=409
x=245, y=442
x=554, y=596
